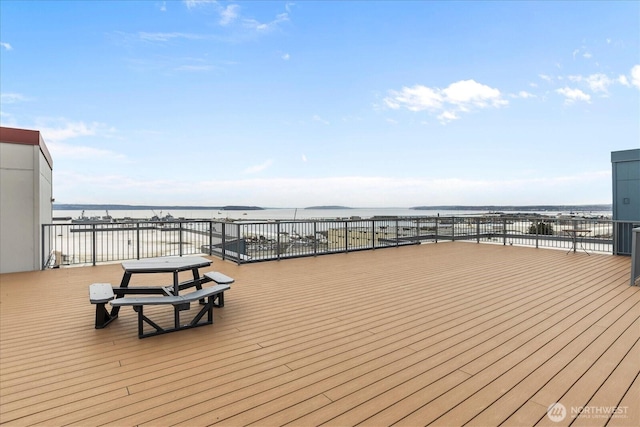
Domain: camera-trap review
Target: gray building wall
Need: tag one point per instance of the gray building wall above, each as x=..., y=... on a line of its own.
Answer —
x=626, y=195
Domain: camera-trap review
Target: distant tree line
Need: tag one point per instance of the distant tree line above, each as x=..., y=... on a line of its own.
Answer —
x=540, y=227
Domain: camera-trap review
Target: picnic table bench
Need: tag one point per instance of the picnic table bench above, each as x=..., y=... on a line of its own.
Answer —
x=179, y=303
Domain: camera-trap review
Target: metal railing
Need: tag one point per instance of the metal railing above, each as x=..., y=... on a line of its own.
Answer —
x=92, y=243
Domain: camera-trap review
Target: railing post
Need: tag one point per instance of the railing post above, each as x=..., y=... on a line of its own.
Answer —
x=373, y=233
x=477, y=230
x=180, y=238
x=315, y=238
x=138, y=240
x=43, y=262
x=278, y=240
x=223, y=242
x=346, y=236
x=504, y=231
x=453, y=228
x=93, y=244
x=437, y=222
x=238, y=237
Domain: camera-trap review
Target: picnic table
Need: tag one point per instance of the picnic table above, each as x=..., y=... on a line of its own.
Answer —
x=101, y=293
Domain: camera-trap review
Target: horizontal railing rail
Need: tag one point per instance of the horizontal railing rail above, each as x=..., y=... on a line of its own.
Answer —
x=88, y=243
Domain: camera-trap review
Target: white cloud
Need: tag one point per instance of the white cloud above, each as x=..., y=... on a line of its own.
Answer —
x=60, y=150
x=6, y=46
x=524, y=94
x=259, y=168
x=266, y=26
x=229, y=14
x=317, y=118
x=461, y=96
x=304, y=158
x=356, y=191
x=70, y=130
x=286, y=56
x=468, y=93
x=164, y=37
x=417, y=98
x=197, y=3
x=596, y=82
x=11, y=98
x=573, y=95
x=635, y=76
x=195, y=68
x=447, y=116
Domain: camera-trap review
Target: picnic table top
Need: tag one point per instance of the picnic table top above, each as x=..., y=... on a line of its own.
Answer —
x=165, y=264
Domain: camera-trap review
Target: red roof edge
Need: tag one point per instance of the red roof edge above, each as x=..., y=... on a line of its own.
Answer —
x=28, y=137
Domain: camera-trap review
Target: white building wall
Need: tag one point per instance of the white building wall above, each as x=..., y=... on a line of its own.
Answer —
x=25, y=204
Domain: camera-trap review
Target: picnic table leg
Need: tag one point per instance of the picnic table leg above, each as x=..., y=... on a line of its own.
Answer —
x=124, y=283
x=103, y=317
x=196, y=278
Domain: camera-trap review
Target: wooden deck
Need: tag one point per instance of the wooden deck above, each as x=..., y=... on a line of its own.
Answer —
x=443, y=334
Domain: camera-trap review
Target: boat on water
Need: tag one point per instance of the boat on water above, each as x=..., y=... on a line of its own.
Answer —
x=158, y=218
x=83, y=219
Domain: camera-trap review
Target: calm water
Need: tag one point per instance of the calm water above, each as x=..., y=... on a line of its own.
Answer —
x=291, y=213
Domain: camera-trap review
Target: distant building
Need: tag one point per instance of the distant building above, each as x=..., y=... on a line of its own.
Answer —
x=360, y=237
x=26, y=200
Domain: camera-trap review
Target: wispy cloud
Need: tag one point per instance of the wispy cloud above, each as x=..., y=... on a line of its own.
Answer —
x=635, y=76
x=259, y=168
x=195, y=68
x=61, y=150
x=66, y=130
x=191, y=4
x=229, y=14
x=59, y=134
x=342, y=190
x=317, y=118
x=523, y=94
x=12, y=98
x=6, y=46
x=164, y=37
x=573, y=95
x=265, y=27
x=595, y=82
x=447, y=104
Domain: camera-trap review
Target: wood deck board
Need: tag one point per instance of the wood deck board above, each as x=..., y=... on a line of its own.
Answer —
x=446, y=333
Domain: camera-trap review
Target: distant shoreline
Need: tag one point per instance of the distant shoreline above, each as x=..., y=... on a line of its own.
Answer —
x=509, y=208
x=90, y=207
x=489, y=208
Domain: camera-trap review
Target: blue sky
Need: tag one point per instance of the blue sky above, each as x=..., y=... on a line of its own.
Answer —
x=293, y=104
